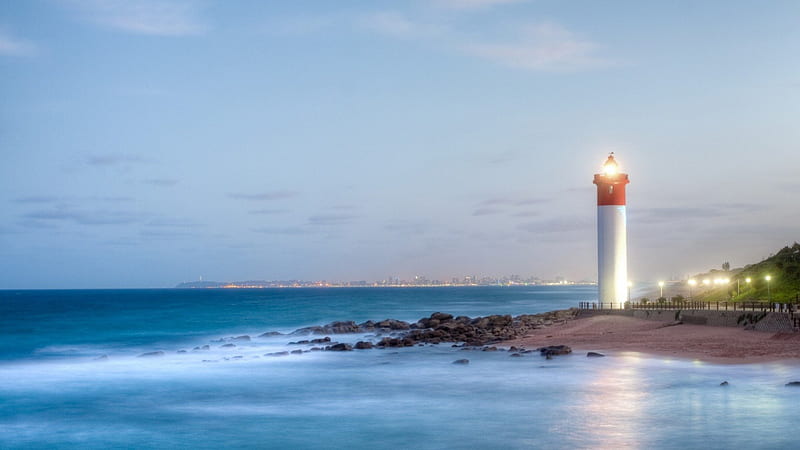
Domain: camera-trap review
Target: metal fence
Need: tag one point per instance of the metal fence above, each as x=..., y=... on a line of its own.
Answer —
x=790, y=308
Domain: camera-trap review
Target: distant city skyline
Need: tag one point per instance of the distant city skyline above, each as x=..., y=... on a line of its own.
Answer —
x=147, y=143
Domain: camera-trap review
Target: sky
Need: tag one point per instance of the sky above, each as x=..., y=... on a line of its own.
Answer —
x=153, y=142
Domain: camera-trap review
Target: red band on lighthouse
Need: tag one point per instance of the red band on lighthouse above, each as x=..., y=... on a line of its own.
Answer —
x=611, y=184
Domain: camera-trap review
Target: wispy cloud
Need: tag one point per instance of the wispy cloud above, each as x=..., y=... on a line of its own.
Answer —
x=541, y=47
x=268, y=212
x=398, y=25
x=148, y=17
x=36, y=199
x=264, y=196
x=537, y=46
x=474, y=4
x=113, y=159
x=281, y=230
x=161, y=182
x=85, y=217
x=331, y=219
x=11, y=46
x=486, y=211
x=558, y=225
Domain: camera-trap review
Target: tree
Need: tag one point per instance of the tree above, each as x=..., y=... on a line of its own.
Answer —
x=726, y=266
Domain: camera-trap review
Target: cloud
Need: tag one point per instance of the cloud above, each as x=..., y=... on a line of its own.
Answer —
x=667, y=215
x=474, y=4
x=541, y=47
x=394, y=24
x=161, y=182
x=147, y=17
x=486, y=211
x=281, y=230
x=264, y=196
x=10, y=46
x=268, y=211
x=331, y=219
x=112, y=159
x=558, y=225
x=171, y=223
x=85, y=217
x=36, y=199
x=544, y=46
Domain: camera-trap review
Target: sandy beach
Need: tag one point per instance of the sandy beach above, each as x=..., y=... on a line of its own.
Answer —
x=616, y=334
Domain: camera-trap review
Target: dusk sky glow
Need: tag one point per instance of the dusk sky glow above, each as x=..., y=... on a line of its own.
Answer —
x=153, y=142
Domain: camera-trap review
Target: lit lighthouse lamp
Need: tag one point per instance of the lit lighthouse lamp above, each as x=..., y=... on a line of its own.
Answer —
x=612, y=246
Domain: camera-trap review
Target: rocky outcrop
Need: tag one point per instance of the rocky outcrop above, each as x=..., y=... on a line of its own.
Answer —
x=151, y=354
x=594, y=355
x=441, y=327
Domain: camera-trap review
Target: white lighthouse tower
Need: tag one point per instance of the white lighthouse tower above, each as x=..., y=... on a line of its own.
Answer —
x=612, y=246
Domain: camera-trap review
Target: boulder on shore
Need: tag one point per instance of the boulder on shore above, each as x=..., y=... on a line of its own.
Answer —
x=339, y=348
x=363, y=345
x=554, y=350
x=461, y=361
x=594, y=355
x=151, y=354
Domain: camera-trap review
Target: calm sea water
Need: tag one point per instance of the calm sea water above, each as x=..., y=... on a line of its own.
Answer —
x=54, y=393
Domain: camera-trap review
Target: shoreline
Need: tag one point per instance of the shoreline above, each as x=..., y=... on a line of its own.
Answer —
x=615, y=335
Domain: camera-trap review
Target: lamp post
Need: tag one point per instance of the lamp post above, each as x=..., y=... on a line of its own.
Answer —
x=661, y=286
x=692, y=283
x=630, y=285
x=769, y=295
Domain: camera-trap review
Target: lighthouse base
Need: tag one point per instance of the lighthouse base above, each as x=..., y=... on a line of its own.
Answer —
x=612, y=255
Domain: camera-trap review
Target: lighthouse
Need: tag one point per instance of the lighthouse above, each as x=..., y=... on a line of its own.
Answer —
x=612, y=246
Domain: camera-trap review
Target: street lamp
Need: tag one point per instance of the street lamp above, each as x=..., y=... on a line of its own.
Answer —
x=661, y=286
x=706, y=282
x=630, y=285
x=769, y=295
x=692, y=284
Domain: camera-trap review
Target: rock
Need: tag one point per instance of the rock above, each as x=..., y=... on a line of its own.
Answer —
x=316, y=349
x=227, y=345
x=490, y=349
x=181, y=351
x=554, y=350
x=339, y=348
x=793, y=383
x=210, y=360
x=441, y=317
x=276, y=354
x=324, y=340
x=363, y=345
x=205, y=347
x=101, y=358
x=594, y=355
x=461, y=361
x=270, y=334
x=151, y=354
x=724, y=383
x=296, y=352
x=244, y=338
x=516, y=355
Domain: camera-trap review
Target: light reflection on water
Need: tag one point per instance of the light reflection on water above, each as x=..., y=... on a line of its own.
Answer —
x=408, y=397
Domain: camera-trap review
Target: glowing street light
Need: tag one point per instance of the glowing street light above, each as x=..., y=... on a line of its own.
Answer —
x=661, y=286
x=706, y=281
x=692, y=283
x=769, y=295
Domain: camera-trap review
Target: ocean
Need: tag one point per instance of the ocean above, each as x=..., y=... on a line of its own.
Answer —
x=71, y=377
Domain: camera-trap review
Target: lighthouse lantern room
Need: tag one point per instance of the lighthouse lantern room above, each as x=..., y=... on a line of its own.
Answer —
x=612, y=247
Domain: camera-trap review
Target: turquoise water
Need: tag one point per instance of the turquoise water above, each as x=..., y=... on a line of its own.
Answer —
x=55, y=394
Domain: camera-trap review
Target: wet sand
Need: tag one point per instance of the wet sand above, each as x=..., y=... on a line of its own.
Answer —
x=615, y=334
